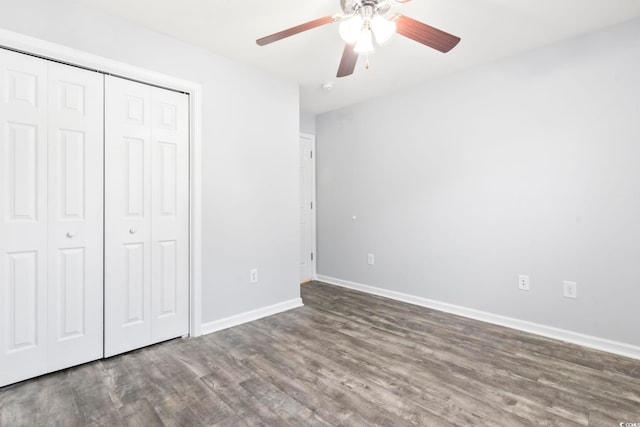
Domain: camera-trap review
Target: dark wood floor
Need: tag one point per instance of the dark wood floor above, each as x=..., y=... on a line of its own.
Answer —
x=346, y=358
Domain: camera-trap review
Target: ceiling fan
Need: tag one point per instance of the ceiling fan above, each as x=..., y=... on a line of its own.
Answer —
x=364, y=20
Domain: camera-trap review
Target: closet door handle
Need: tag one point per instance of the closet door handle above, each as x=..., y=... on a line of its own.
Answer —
x=71, y=234
x=132, y=230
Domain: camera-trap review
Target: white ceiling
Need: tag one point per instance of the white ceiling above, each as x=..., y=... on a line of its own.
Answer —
x=489, y=29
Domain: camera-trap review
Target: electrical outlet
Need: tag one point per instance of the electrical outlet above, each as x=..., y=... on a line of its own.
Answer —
x=253, y=275
x=523, y=282
x=570, y=289
x=370, y=259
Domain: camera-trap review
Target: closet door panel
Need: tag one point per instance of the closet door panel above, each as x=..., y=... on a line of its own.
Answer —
x=128, y=249
x=23, y=217
x=170, y=213
x=75, y=216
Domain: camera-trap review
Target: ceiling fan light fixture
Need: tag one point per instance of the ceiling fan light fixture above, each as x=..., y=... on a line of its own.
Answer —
x=350, y=29
x=364, y=43
x=360, y=21
x=382, y=28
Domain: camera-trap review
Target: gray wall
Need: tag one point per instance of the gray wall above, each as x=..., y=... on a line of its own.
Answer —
x=307, y=123
x=528, y=165
x=249, y=157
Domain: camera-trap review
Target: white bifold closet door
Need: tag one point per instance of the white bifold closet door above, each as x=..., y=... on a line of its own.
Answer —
x=75, y=249
x=50, y=216
x=146, y=215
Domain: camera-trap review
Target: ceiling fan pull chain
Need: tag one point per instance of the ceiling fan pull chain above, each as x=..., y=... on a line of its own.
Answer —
x=366, y=62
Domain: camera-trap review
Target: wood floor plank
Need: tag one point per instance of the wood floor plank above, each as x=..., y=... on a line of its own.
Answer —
x=399, y=379
x=344, y=359
x=287, y=380
x=397, y=355
x=242, y=403
x=329, y=384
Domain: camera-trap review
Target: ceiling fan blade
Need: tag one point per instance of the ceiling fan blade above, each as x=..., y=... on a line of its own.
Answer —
x=425, y=34
x=348, y=62
x=297, y=29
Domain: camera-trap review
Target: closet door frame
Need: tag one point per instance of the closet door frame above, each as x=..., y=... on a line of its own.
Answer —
x=33, y=46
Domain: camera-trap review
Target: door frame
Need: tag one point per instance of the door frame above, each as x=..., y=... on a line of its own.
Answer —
x=314, y=249
x=36, y=47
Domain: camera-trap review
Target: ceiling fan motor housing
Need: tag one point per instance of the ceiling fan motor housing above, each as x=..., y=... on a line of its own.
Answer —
x=349, y=7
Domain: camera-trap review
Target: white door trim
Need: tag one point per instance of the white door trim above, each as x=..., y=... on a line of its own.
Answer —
x=33, y=46
x=314, y=270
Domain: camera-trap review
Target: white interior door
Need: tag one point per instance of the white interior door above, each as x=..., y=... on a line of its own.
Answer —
x=146, y=215
x=23, y=217
x=75, y=188
x=306, y=209
x=52, y=216
x=127, y=215
x=169, y=214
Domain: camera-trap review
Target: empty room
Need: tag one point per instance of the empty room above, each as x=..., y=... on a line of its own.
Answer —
x=319, y=213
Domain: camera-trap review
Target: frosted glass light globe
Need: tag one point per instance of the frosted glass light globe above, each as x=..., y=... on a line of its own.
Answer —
x=364, y=43
x=382, y=28
x=350, y=29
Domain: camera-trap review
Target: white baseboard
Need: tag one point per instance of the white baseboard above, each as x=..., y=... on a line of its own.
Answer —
x=249, y=316
x=614, y=347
